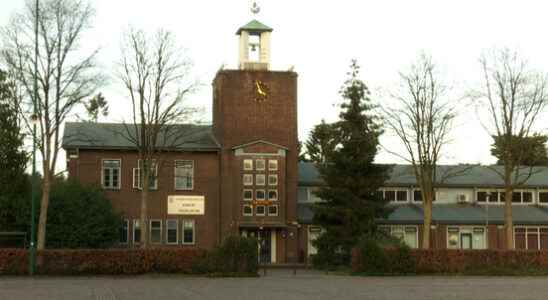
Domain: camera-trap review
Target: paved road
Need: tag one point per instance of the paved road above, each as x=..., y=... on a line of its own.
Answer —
x=277, y=285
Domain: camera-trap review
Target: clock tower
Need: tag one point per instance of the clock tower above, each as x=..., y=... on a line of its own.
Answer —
x=255, y=123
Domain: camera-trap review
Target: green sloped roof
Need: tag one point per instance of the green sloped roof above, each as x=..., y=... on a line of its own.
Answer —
x=254, y=26
x=448, y=176
x=120, y=136
x=458, y=214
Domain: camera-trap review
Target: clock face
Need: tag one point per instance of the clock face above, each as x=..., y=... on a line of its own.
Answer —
x=261, y=91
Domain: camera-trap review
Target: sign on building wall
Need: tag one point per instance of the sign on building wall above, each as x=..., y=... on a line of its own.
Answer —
x=185, y=205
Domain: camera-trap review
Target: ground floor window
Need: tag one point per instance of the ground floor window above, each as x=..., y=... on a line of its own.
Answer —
x=155, y=231
x=188, y=232
x=136, y=231
x=124, y=232
x=407, y=234
x=172, y=232
x=466, y=237
x=313, y=234
x=531, y=238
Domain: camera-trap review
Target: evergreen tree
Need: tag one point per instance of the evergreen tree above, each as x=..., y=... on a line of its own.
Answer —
x=321, y=142
x=302, y=153
x=528, y=151
x=93, y=221
x=95, y=107
x=13, y=160
x=351, y=202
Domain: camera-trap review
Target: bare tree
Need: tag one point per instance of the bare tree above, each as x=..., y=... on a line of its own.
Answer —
x=422, y=120
x=66, y=75
x=514, y=95
x=155, y=73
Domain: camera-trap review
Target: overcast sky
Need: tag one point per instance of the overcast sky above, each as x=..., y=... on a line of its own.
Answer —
x=319, y=38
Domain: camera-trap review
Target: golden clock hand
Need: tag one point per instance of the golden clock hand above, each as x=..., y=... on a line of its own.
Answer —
x=259, y=89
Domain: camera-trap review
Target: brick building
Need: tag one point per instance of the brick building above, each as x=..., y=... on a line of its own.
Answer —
x=467, y=212
x=237, y=176
x=240, y=175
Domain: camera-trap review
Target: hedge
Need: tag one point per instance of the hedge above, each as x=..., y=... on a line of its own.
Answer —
x=236, y=256
x=480, y=262
x=102, y=262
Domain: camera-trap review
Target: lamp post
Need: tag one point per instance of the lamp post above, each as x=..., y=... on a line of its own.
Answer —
x=34, y=120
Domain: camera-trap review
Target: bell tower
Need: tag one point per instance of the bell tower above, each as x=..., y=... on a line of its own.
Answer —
x=254, y=44
x=255, y=123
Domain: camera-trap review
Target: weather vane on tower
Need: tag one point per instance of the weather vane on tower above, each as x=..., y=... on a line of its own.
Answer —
x=255, y=9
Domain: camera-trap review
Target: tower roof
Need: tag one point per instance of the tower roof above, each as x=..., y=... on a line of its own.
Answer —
x=254, y=26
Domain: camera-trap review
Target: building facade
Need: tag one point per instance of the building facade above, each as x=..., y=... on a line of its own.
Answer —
x=237, y=176
x=467, y=212
x=240, y=176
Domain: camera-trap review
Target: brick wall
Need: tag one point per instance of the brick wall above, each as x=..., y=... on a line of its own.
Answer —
x=127, y=200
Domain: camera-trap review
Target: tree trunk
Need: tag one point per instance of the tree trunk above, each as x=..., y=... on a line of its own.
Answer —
x=427, y=208
x=144, y=196
x=44, y=203
x=508, y=222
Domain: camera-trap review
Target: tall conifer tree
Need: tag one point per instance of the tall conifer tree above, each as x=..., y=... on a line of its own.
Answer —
x=13, y=161
x=351, y=178
x=321, y=142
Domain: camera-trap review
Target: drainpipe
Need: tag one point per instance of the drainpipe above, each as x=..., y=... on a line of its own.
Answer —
x=220, y=184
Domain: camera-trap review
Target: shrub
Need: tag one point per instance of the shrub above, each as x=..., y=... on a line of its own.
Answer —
x=102, y=262
x=329, y=256
x=374, y=256
x=443, y=261
x=80, y=216
x=235, y=256
x=13, y=261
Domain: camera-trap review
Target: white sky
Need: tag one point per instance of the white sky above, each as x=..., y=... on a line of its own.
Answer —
x=320, y=37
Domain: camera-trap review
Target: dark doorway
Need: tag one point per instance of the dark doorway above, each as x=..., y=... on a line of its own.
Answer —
x=264, y=240
x=265, y=246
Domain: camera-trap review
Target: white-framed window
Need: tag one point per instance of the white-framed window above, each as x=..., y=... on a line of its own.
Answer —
x=260, y=210
x=522, y=196
x=466, y=237
x=248, y=195
x=485, y=196
x=543, y=197
x=247, y=210
x=260, y=195
x=417, y=195
x=259, y=179
x=189, y=232
x=247, y=179
x=152, y=176
x=313, y=234
x=184, y=175
x=172, y=231
x=273, y=165
x=248, y=164
x=259, y=164
x=273, y=195
x=136, y=231
x=110, y=173
x=273, y=210
x=531, y=237
x=395, y=195
x=155, y=231
x=407, y=234
x=124, y=232
x=489, y=196
x=311, y=194
x=272, y=179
